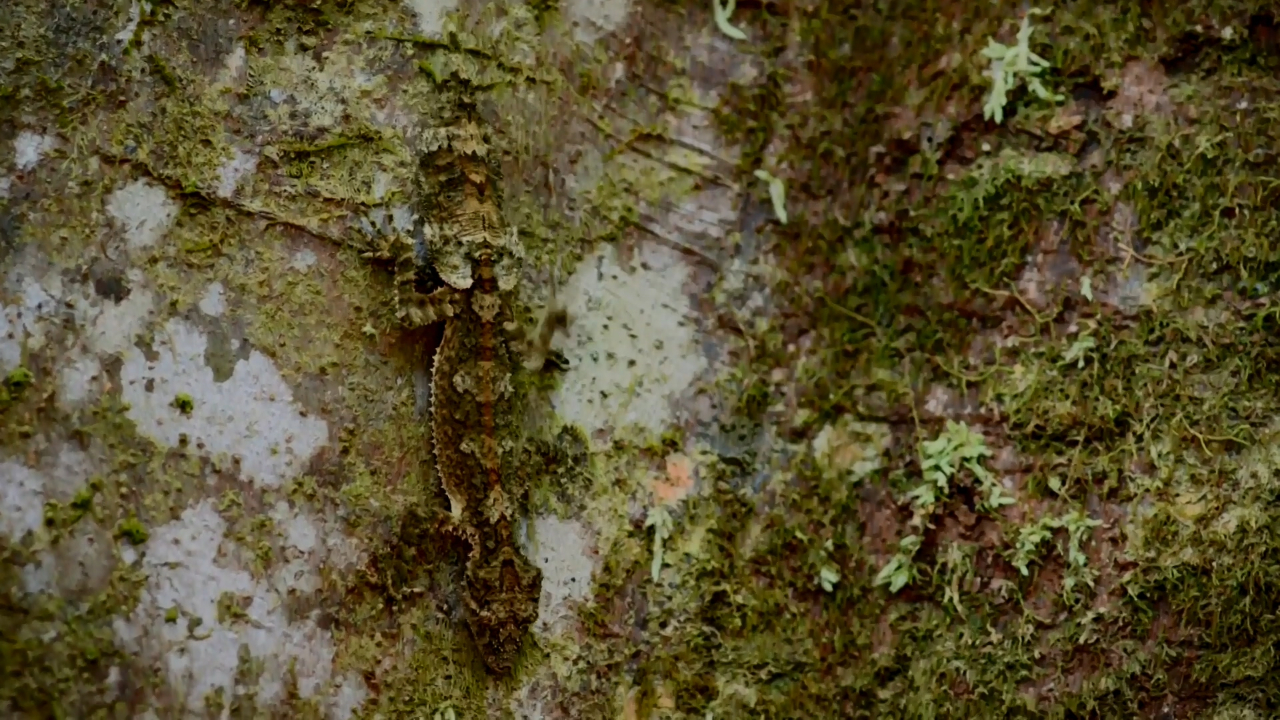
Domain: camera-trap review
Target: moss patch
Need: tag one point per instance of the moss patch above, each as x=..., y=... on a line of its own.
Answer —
x=1072, y=309
x=1087, y=285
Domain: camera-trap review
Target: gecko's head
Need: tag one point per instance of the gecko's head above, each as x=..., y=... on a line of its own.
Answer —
x=462, y=190
x=456, y=256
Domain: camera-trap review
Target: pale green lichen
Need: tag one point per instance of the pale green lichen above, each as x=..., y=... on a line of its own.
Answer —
x=1011, y=65
x=956, y=448
x=777, y=194
x=900, y=571
x=659, y=518
x=722, y=14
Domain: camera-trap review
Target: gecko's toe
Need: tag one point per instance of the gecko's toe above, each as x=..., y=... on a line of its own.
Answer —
x=555, y=361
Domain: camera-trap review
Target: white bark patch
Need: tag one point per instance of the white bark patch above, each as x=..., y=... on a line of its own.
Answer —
x=593, y=18
x=117, y=324
x=251, y=416
x=562, y=550
x=143, y=211
x=131, y=26
x=82, y=561
x=21, y=500
x=214, y=302
x=176, y=624
x=21, y=324
x=234, y=66
x=632, y=343
x=431, y=14
x=107, y=326
x=229, y=175
x=78, y=378
x=29, y=148
x=11, y=337
x=303, y=260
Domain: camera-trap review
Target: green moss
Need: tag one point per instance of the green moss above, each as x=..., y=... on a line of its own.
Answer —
x=1155, y=419
x=132, y=530
x=14, y=386
x=1131, y=572
x=57, y=652
x=18, y=379
x=53, y=60
x=183, y=403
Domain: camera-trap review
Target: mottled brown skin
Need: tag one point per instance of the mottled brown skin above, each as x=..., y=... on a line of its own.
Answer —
x=477, y=440
x=476, y=410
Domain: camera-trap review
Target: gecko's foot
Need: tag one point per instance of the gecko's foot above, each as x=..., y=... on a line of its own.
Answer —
x=418, y=310
x=538, y=353
x=555, y=361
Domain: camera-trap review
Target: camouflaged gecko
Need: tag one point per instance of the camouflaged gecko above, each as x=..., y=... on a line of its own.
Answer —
x=477, y=408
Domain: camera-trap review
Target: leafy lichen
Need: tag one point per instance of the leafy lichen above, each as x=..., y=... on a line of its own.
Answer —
x=1134, y=438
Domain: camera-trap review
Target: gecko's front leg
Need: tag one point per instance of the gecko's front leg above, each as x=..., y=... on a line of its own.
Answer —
x=537, y=349
x=416, y=309
x=388, y=238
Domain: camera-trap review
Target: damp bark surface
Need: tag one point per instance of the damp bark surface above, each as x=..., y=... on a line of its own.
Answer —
x=918, y=359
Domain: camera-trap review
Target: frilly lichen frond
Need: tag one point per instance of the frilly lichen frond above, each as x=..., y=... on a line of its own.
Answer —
x=1011, y=65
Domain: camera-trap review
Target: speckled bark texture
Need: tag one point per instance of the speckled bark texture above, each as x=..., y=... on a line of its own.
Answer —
x=215, y=467
x=919, y=359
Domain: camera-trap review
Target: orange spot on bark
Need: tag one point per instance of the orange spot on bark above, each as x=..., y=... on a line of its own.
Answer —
x=678, y=481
